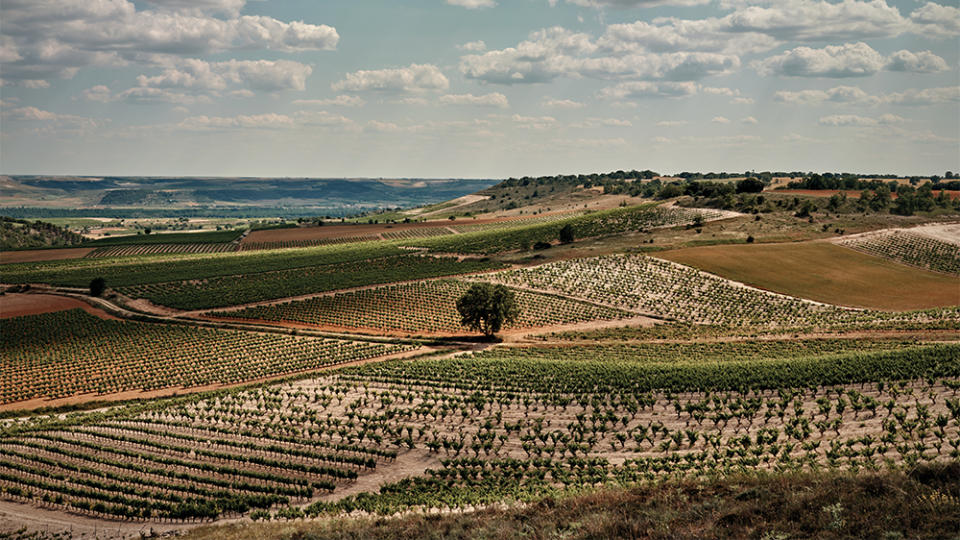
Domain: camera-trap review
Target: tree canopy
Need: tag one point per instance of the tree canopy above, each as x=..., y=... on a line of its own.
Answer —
x=487, y=307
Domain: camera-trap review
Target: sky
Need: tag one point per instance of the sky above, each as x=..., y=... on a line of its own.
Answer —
x=477, y=88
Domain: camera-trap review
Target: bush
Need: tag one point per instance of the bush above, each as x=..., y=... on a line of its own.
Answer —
x=566, y=234
x=749, y=185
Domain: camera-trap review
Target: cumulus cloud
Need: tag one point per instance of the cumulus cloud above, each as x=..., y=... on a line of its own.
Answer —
x=852, y=120
x=594, y=122
x=473, y=46
x=925, y=96
x=847, y=95
x=839, y=94
x=749, y=120
x=56, y=38
x=562, y=104
x=414, y=78
x=48, y=121
x=494, y=99
x=340, y=101
x=720, y=120
x=645, y=89
x=672, y=123
x=558, y=52
x=847, y=60
x=273, y=121
x=921, y=62
x=473, y=4
x=534, y=122
x=935, y=19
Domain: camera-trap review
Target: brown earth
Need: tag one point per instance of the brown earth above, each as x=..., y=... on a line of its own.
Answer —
x=824, y=272
x=20, y=304
x=36, y=255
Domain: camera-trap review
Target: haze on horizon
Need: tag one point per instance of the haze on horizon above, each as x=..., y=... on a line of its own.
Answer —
x=477, y=88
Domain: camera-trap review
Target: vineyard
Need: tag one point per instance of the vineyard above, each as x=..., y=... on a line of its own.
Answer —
x=669, y=290
x=158, y=249
x=490, y=427
x=422, y=307
x=620, y=220
x=909, y=248
x=242, y=289
x=66, y=353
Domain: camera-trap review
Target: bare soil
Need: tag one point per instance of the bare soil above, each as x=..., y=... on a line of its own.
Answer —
x=37, y=255
x=20, y=304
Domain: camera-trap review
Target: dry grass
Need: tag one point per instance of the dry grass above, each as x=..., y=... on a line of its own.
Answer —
x=922, y=504
x=825, y=272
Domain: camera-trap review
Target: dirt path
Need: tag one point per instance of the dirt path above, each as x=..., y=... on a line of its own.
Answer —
x=410, y=463
x=15, y=516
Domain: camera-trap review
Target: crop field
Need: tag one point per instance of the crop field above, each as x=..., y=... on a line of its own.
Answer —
x=487, y=427
x=159, y=249
x=422, y=307
x=825, y=272
x=619, y=220
x=910, y=248
x=62, y=354
x=234, y=290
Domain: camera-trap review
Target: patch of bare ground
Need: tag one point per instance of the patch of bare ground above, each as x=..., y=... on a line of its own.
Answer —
x=38, y=255
x=21, y=304
x=16, y=516
x=409, y=463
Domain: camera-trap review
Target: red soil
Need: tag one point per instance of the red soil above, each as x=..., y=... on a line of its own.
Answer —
x=18, y=305
x=35, y=255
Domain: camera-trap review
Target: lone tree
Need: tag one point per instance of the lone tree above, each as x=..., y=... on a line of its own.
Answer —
x=487, y=307
x=97, y=286
x=566, y=234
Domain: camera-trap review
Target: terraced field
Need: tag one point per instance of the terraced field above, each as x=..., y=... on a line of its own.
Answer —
x=66, y=353
x=422, y=307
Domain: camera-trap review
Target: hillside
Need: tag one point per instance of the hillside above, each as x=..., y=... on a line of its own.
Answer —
x=23, y=234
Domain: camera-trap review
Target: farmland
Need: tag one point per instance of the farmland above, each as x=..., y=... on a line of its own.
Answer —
x=825, y=272
x=423, y=307
x=311, y=374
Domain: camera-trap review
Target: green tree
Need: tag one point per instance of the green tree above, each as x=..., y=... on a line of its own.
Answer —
x=97, y=286
x=750, y=185
x=487, y=307
x=566, y=234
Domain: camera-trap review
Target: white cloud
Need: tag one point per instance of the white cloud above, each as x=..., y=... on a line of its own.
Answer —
x=644, y=89
x=847, y=60
x=594, y=122
x=855, y=95
x=839, y=94
x=852, y=120
x=415, y=78
x=473, y=4
x=98, y=93
x=147, y=95
x=633, y=3
x=562, y=104
x=921, y=62
x=494, y=99
x=340, y=101
x=809, y=20
x=926, y=96
x=742, y=101
x=749, y=120
x=558, y=52
x=672, y=123
x=935, y=19
x=51, y=121
x=272, y=121
x=534, y=122
x=266, y=75
x=720, y=120
x=473, y=46
x=55, y=38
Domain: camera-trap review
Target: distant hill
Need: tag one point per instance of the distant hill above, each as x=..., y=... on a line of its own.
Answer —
x=337, y=195
x=21, y=234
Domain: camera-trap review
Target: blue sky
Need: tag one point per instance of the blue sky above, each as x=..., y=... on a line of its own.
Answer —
x=477, y=88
